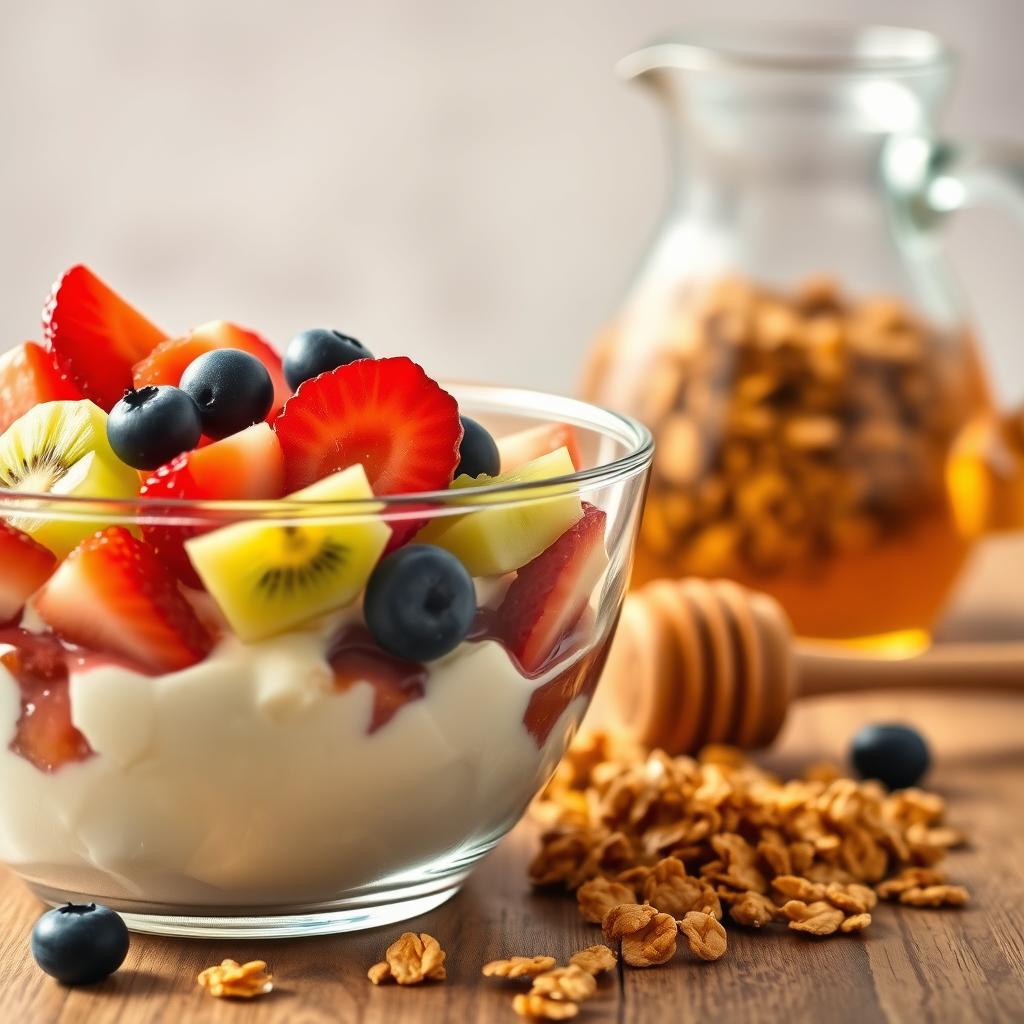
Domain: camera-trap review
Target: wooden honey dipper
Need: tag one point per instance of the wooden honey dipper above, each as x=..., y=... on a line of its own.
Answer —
x=696, y=662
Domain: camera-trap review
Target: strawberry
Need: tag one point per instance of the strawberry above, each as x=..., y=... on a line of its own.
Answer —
x=247, y=466
x=549, y=594
x=44, y=734
x=385, y=413
x=26, y=567
x=29, y=377
x=168, y=361
x=114, y=595
x=518, y=449
x=95, y=336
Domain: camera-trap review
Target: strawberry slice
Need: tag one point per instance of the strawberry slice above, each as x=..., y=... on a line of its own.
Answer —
x=26, y=567
x=44, y=735
x=385, y=413
x=95, y=336
x=29, y=377
x=168, y=361
x=549, y=595
x=113, y=595
x=518, y=449
x=247, y=466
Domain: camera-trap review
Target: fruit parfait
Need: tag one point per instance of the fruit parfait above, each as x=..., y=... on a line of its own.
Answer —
x=286, y=645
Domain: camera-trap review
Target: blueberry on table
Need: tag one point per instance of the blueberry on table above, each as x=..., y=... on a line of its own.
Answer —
x=478, y=452
x=78, y=945
x=232, y=390
x=420, y=603
x=319, y=351
x=896, y=755
x=151, y=426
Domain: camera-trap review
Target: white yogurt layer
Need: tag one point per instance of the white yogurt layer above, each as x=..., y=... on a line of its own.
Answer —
x=248, y=780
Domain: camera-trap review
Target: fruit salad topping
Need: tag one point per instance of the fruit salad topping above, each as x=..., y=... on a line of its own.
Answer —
x=112, y=408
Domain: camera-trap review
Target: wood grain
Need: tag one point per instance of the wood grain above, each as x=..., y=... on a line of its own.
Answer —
x=912, y=965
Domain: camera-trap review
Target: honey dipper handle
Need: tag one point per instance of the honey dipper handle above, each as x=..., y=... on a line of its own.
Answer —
x=823, y=670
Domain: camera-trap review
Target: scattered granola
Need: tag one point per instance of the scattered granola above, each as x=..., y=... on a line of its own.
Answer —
x=648, y=938
x=704, y=934
x=595, y=959
x=599, y=895
x=542, y=1008
x=817, y=918
x=410, y=960
x=669, y=888
x=684, y=835
x=935, y=896
x=232, y=980
x=519, y=967
x=571, y=983
x=753, y=910
x=856, y=923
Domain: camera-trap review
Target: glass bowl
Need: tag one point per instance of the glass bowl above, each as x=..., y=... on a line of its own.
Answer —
x=307, y=783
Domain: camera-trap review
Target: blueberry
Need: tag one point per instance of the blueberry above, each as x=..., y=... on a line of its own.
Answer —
x=232, y=389
x=78, y=945
x=151, y=426
x=319, y=351
x=478, y=453
x=420, y=603
x=896, y=755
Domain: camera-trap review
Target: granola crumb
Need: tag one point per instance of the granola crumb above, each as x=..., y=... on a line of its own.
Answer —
x=232, y=980
x=595, y=959
x=541, y=1008
x=410, y=960
x=704, y=934
x=519, y=967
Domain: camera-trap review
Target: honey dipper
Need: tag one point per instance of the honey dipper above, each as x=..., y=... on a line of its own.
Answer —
x=696, y=662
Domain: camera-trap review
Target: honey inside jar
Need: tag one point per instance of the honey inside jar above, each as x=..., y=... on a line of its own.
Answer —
x=803, y=440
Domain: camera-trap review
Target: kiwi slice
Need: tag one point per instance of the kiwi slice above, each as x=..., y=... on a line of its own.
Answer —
x=268, y=578
x=498, y=540
x=62, y=448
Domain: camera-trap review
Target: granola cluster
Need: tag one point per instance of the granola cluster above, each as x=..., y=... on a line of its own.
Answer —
x=555, y=992
x=410, y=960
x=654, y=845
x=232, y=980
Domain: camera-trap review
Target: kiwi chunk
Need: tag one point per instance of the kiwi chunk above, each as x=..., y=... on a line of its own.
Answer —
x=61, y=448
x=268, y=578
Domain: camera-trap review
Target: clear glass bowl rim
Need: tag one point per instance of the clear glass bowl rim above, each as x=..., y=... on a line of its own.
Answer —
x=478, y=398
x=793, y=46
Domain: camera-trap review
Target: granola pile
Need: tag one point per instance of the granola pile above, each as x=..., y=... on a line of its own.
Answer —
x=652, y=844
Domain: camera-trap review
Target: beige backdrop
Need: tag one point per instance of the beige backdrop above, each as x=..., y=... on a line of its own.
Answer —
x=462, y=180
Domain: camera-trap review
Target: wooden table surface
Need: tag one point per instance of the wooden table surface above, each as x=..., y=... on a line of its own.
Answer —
x=911, y=965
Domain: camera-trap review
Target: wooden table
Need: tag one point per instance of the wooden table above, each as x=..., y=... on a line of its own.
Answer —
x=911, y=965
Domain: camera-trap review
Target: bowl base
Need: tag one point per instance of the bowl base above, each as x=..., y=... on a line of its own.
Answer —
x=384, y=907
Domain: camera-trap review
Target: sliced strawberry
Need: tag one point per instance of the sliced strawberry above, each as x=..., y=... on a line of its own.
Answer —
x=44, y=735
x=167, y=362
x=114, y=595
x=95, y=336
x=518, y=449
x=248, y=466
x=26, y=567
x=29, y=377
x=385, y=413
x=549, y=594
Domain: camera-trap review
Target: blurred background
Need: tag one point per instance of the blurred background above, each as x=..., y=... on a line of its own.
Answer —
x=465, y=182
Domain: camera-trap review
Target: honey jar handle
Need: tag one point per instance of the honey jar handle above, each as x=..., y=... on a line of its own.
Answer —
x=963, y=667
x=931, y=179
